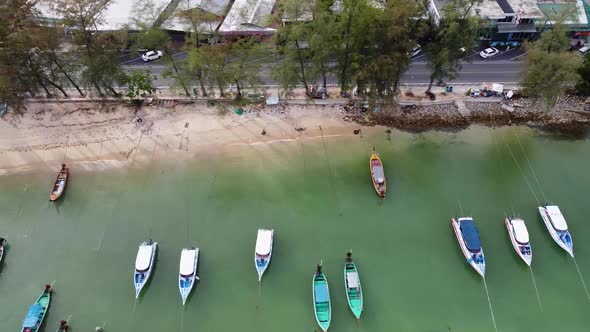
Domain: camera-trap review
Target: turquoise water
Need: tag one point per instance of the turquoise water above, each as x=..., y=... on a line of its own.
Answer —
x=317, y=196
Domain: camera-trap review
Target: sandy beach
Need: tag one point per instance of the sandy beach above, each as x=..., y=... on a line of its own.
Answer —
x=93, y=136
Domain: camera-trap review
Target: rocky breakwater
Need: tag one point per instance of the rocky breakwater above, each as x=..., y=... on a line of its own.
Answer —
x=570, y=116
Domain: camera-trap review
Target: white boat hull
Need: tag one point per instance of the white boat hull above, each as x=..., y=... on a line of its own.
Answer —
x=186, y=284
x=144, y=276
x=555, y=234
x=527, y=258
x=261, y=263
x=478, y=267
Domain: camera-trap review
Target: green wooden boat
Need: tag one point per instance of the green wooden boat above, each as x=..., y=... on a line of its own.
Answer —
x=321, y=299
x=352, y=283
x=37, y=311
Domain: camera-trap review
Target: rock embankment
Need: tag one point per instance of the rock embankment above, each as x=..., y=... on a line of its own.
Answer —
x=571, y=115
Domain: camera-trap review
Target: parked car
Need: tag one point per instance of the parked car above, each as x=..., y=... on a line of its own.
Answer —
x=151, y=56
x=416, y=50
x=489, y=52
x=584, y=49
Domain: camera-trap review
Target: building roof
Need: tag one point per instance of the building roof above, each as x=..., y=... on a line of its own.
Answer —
x=248, y=16
x=115, y=14
x=497, y=9
x=554, y=8
x=529, y=8
x=212, y=14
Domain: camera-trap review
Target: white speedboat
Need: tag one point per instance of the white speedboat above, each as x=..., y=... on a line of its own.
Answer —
x=263, y=251
x=557, y=227
x=144, y=264
x=519, y=236
x=188, y=272
x=470, y=243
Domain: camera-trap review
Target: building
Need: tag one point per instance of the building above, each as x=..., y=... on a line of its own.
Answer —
x=249, y=17
x=512, y=21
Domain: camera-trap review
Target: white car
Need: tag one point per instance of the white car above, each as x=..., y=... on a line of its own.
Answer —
x=489, y=52
x=416, y=50
x=151, y=55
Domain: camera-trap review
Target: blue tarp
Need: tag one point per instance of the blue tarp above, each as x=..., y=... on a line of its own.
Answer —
x=470, y=235
x=33, y=316
x=321, y=293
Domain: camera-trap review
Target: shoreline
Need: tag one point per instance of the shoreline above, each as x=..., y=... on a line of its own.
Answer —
x=97, y=136
x=570, y=117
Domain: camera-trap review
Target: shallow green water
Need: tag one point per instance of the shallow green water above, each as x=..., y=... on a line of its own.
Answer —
x=317, y=196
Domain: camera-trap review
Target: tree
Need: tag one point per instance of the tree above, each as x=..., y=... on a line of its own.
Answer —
x=549, y=67
x=158, y=39
x=355, y=25
x=244, y=70
x=198, y=22
x=212, y=61
x=583, y=86
x=388, y=57
x=323, y=38
x=139, y=84
x=97, y=50
x=292, y=41
x=449, y=38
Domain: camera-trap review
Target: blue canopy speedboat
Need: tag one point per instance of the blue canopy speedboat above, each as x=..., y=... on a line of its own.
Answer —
x=557, y=227
x=470, y=243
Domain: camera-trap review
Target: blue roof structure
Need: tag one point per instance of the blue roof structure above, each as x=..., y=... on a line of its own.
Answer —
x=33, y=316
x=470, y=235
x=321, y=293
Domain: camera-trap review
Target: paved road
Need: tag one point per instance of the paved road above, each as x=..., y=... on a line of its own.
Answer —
x=505, y=67
x=489, y=71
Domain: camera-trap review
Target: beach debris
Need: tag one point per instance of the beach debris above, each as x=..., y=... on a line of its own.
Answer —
x=299, y=129
x=186, y=125
x=139, y=120
x=238, y=111
x=357, y=131
x=263, y=132
x=508, y=108
x=388, y=131
x=272, y=100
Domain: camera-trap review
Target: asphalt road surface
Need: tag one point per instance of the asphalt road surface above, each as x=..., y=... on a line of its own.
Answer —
x=505, y=67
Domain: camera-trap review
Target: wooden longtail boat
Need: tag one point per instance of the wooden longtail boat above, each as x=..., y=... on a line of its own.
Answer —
x=37, y=311
x=352, y=285
x=2, y=248
x=321, y=299
x=60, y=183
x=377, y=174
x=63, y=326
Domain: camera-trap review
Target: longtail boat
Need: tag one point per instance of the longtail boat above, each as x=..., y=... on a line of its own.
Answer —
x=321, y=299
x=63, y=326
x=352, y=284
x=37, y=311
x=60, y=184
x=377, y=174
x=2, y=248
